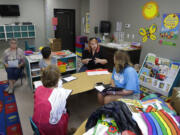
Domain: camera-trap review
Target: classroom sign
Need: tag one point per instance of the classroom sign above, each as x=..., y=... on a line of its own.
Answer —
x=170, y=26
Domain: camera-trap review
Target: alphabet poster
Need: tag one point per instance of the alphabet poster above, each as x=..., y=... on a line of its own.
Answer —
x=170, y=26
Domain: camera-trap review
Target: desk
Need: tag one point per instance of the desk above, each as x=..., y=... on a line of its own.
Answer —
x=85, y=83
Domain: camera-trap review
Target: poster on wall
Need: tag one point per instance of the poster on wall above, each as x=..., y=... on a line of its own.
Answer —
x=170, y=26
x=87, y=23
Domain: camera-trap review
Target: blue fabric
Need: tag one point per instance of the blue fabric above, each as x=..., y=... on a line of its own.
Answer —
x=128, y=79
x=13, y=73
x=42, y=63
x=152, y=124
x=158, y=128
x=83, y=68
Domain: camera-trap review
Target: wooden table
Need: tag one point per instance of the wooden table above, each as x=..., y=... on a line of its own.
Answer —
x=85, y=82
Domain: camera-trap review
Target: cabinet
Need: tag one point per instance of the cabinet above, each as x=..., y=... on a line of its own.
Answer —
x=17, y=31
x=33, y=69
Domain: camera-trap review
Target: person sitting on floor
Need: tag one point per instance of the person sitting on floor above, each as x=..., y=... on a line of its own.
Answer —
x=124, y=78
x=13, y=59
x=47, y=58
x=50, y=114
x=93, y=57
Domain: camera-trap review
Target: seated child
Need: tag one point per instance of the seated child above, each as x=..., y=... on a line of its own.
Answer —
x=49, y=104
x=124, y=77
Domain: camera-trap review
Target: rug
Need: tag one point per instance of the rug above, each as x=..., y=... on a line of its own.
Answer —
x=9, y=118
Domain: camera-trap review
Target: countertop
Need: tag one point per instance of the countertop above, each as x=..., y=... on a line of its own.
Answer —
x=123, y=45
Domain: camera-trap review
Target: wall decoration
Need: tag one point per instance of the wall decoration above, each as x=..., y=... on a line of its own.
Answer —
x=159, y=74
x=54, y=21
x=150, y=10
x=148, y=32
x=170, y=26
x=87, y=23
x=167, y=43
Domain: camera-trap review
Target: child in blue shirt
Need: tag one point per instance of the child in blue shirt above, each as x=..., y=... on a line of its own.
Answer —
x=124, y=76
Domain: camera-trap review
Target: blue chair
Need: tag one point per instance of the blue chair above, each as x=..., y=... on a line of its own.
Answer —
x=34, y=127
x=29, y=47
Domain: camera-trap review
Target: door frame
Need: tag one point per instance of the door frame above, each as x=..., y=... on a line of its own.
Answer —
x=74, y=30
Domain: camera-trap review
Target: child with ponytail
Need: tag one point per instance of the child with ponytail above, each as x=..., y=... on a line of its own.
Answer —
x=124, y=80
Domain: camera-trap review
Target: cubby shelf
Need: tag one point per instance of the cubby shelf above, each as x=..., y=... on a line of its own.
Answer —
x=17, y=31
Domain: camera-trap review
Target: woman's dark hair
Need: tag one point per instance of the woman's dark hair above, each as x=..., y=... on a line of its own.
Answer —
x=121, y=61
x=50, y=76
x=46, y=52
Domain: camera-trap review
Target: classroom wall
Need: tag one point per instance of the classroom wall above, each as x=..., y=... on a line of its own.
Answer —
x=84, y=9
x=99, y=10
x=129, y=11
x=61, y=4
x=30, y=11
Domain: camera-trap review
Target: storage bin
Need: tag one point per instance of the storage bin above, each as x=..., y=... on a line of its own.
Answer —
x=61, y=66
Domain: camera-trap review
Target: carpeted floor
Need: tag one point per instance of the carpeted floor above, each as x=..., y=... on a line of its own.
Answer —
x=9, y=118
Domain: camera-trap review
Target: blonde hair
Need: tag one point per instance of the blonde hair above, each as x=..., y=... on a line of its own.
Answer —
x=50, y=76
x=121, y=61
x=89, y=46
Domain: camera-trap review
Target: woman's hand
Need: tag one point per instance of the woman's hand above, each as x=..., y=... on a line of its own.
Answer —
x=101, y=61
x=97, y=60
x=86, y=61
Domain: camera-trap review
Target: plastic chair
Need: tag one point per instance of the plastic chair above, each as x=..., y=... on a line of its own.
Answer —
x=29, y=47
x=34, y=127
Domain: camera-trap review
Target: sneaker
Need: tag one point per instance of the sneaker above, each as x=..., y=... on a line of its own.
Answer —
x=11, y=90
x=7, y=89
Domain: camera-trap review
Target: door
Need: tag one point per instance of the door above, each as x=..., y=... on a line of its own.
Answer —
x=66, y=28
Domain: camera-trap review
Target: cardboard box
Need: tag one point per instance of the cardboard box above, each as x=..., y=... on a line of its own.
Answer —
x=55, y=44
x=175, y=101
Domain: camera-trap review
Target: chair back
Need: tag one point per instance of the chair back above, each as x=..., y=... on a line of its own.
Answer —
x=34, y=127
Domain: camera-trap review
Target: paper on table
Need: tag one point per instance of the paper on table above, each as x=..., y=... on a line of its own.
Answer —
x=100, y=88
x=97, y=72
x=70, y=78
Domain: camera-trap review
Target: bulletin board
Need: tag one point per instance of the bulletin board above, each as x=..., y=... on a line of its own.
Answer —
x=159, y=74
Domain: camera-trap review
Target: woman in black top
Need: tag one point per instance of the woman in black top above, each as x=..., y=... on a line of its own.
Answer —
x=93, y=57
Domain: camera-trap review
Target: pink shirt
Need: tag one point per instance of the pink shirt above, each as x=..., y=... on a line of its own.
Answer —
x=42, y=108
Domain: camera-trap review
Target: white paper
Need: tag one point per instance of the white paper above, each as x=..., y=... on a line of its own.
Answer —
x=100, y=88
x=37, y=84
x=97, y=73
x=35, y=57
x=13, y=63
x=70, y=78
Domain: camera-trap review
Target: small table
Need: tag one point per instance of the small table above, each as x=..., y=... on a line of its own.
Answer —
x=86, y=82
